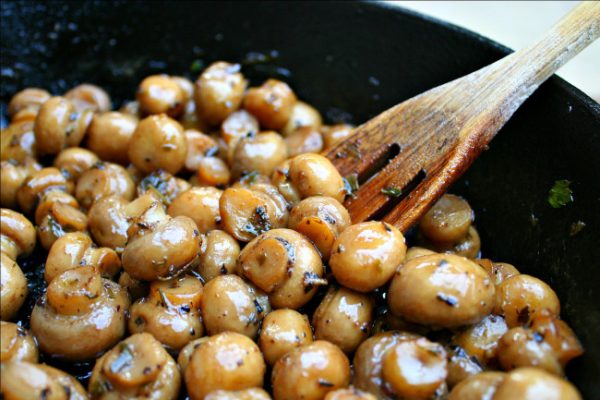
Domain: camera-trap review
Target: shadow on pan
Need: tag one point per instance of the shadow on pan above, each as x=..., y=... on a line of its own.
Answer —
x=351, y=60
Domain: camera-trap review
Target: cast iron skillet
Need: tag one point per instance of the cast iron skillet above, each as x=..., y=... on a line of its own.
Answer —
x=352, y=60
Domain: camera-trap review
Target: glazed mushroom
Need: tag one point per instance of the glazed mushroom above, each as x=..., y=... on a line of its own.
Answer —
x=321, y=219
x=103, y=179
x=17, y=236
x=303, y=115
x=350, y=393
x=74, y=161
x=171, y=312
x=481, y=340
x=80, y=315
x=401, y=361
x=498, y=271
x=335, y=134
x=244, y=394
x=366, y=255
x=227, y=361
x=56, y=211
x=185, y=354
x=231, y=304
x=201, y=204
x=468, y=246
x=108, y=136
x=442, y=290
x=18, y=142
x=220, y=252
x=89, y=97
x=107, y=222
x=76, y=249
x=314, y=175
x=138, y=367
x=548, y=343
x=283, y=330
x=158, y=246
x=247, y=212
x=12, y=176
x=199, y=145
x=27, y=99
x=521, y=297
x=310, y=372
x=285, y=265
x=344, y=318
x=59, y=124
x=272, y=103
x=158, y=142
x=448, y=220
x=529, y=383
x=368, y=361
x=163, y=185
x=26, y=380
x=213, y=171
x=304, y=140
x=16, y=344
x=477, y=387
x=219, y=91
x=13, y=287
x=460, y=366
x=236, y=126
x=261, y=153
x=161, y=94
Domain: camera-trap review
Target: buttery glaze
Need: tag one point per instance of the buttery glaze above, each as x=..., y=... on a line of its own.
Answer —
x=321, y=219
x=227, y=361
x=159, y=246
x=25, y=380
x=77, y=249
x=16, y=344
x=59, y=124
x=231, y=304
x=201, y=204
x=88, y=96
x=171, y=312
x=344, y=318
x=137, y=367
x=108, y=136
x=283, y=330
x=310, y=372
x=261, y=153
x=285, y=265
x=81, y=315
x=213, y=201
x=521, y=297
x=441, y=290
x=219, y=255
x=365, y=256
x=158, y=142
x=18, y=142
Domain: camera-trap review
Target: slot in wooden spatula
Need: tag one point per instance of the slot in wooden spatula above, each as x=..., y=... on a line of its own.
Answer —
x=422, y=145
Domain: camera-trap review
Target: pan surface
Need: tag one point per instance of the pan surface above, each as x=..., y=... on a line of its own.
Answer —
x=351, y=60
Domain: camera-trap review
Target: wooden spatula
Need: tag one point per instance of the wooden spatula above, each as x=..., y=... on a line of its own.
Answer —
x=421, y=146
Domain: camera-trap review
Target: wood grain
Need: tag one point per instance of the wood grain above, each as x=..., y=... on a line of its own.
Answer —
x=441, y=132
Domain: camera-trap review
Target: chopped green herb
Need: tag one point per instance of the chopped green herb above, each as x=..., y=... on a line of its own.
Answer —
x=123, y=360
x=576, y=227
x=249, y=178
x=560, y=194
x=351, y=184
x=392, y=192
x=196, y=66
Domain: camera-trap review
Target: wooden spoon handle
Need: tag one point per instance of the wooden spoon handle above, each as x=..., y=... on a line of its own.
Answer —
x=563, y=41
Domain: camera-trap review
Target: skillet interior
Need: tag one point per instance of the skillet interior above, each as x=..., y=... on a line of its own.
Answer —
x=359, y=58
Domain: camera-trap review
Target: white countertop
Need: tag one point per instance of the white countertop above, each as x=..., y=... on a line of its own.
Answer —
x=516, y=24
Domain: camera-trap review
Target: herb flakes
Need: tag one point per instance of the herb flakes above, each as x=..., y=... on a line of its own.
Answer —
x=392, y=192
x=560, y=194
